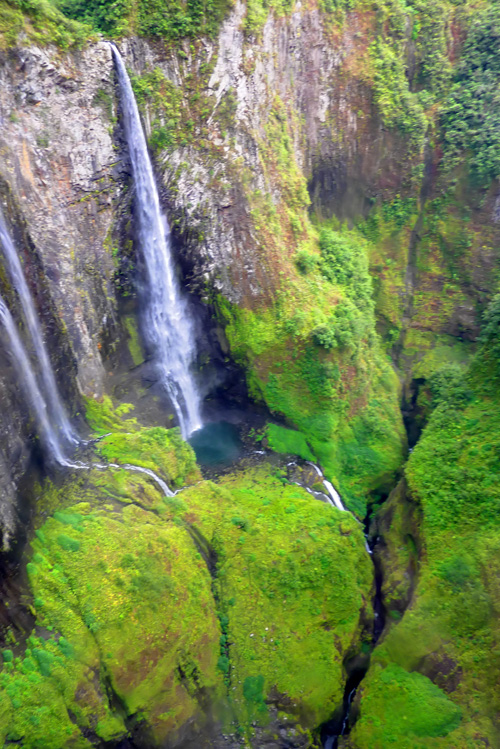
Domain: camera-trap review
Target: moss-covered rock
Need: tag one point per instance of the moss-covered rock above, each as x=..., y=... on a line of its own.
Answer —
x=314, y=357
x=229, y=604
x=294, y=587
x=449, y=632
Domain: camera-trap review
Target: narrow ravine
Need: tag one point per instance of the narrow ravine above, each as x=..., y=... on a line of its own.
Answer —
x=358, y=666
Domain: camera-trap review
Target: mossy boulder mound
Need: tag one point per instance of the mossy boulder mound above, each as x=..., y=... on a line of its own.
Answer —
x=294, y=586
x=219, y=609
x=405, y=710
x=131, y=598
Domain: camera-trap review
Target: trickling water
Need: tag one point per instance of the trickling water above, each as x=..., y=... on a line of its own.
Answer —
x=56, y=414
x=53, y=425
x=332, y=493
x=167, y=322
x=49, y=437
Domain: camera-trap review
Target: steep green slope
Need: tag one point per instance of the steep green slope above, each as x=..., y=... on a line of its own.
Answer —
x=450, y=631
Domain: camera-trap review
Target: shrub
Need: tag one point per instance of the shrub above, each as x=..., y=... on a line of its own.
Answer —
x=471, y=116
x=306, y=261
x=448, y=387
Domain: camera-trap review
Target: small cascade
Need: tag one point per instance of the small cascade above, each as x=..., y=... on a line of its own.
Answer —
x=55, y=409
x=167, y=323
x=332, y=493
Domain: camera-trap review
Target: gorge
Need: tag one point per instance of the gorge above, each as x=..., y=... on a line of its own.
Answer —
x=203, y=416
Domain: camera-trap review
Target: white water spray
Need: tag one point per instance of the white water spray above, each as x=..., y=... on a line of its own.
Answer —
x=56, y=413
x=167, y=322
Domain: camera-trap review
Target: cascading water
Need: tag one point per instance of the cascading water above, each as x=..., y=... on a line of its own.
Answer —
x=55, y=410
x=48, y=436
x=167, y=322
x=54, y=428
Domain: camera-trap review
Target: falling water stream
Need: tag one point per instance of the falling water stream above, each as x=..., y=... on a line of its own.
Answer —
x=55, y=412
x=55, y=431
x=167, y=322
x=49, y=437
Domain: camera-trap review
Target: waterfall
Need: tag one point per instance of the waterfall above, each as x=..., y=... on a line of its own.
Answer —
x=333, y=494
x=167, y=323
x=56, y=412
x=48, y=436
x=52, y=422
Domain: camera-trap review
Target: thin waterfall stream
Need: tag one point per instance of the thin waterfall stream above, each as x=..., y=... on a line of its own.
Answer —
x=56, y=411
x=54, y=428
x=167, y=322
x=49, y=437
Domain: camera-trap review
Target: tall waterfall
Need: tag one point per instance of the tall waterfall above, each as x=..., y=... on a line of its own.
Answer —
x=167, y=322
x=56, y=413
x=48, y=435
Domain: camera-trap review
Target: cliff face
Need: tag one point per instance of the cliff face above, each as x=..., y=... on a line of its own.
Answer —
x=61, y=176
x=228, y=90
x=62, y=168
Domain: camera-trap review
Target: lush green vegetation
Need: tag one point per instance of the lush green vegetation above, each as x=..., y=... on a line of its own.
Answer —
x=314, y=357
x=471, y=117
x=450, y=632
x=172, y=20
x=405, y=710
x=288, y=441
x=127, y=610
x=41, y=22
x=291, y=572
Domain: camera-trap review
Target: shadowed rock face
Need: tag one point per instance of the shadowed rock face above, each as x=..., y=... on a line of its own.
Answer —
x=338, y=142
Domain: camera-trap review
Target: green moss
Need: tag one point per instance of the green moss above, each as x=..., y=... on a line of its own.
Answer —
x=414, y=710
x=155, y=448
x=450, y=632
x=288, y=441
x=344, y=401
x=291, y=571
x=103, y=417
x=119, y=575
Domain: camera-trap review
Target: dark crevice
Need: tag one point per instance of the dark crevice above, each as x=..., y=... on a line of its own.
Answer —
x=356, y=667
